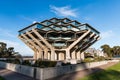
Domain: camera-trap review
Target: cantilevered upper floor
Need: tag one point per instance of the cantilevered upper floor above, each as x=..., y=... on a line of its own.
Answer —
x=59, y=35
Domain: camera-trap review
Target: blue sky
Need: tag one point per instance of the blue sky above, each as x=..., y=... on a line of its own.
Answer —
x=104, y=15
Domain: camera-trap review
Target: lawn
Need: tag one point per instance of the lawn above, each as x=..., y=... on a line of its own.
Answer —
x=111, y=73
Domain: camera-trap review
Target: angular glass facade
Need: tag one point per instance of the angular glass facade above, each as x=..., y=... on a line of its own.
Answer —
x=59, y=37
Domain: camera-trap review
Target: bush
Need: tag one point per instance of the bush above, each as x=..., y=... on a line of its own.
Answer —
x=88, y=60
x=16, y=61
x=100, y=58
x=42, y=64
x=26, y=62
x=65, y=64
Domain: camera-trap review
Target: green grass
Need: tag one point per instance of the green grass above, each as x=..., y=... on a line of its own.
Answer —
x=1, y=78
x=111, y=73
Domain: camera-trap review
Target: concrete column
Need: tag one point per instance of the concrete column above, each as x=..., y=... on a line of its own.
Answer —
x=26, y=43
x=52, y=54
x=49, y=56
x=55, y=56
x=67, y=54
x=46, y=54
x=40, y=55
x=73, y=55
x=61, y=56
x=35, y=56
x=78, y=55
x=79, y=39
x=82, y=56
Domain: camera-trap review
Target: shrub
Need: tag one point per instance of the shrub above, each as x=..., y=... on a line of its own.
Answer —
x=65, y=64
x=16, y=61
x=42, y=64
x=88, y=60
x=26, y=62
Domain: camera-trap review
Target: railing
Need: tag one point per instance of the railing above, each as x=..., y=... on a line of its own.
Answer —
x=30, y=28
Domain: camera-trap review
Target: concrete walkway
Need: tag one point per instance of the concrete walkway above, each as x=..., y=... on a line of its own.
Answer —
x=10, y=75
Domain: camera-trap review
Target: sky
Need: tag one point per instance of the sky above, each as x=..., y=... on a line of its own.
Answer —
x=103, y=15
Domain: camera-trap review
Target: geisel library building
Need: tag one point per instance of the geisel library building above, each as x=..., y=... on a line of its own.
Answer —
x=59, y=39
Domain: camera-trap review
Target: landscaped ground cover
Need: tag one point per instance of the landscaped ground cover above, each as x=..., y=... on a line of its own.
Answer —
x=111, y=73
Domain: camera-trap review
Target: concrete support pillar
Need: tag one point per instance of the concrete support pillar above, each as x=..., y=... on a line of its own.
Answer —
x=45, y=54
x=55, y=56
x=67, y=54
x=61, y=56
x=82, y=56
x=49, y=56
x=73, y=55
x=78, y=55
x=35, y=56
x=52, y=54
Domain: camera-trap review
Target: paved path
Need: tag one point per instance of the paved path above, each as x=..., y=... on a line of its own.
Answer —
x=10, y=75
x=80, y=74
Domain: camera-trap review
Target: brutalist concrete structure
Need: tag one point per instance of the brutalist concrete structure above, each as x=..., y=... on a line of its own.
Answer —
x=59, y=39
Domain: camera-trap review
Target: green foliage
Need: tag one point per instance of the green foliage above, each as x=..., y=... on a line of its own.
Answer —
x=1, y=78
x=88, y=60
x=26, y=62
x=114, y=51
x=99, y=58
x=42, y=64
x=6, y=52
x=65, y=64
x=14, y=61
x=112, y=73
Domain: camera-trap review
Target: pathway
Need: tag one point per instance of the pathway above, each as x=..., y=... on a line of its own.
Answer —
x=10, y=75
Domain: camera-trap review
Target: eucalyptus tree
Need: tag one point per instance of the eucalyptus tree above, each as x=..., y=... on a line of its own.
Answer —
x=116, y=50
x=107, y=49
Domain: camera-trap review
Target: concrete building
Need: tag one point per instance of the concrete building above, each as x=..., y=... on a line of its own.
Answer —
x=59, y=39
x=94, y=52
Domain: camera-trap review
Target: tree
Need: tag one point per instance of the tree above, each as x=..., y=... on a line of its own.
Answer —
x=107, y=49
x=116, y=50
x=3, y=49
x=7, y=52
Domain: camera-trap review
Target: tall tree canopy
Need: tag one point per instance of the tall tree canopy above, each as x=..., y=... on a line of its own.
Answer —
x=6, y=52
x=111, y=51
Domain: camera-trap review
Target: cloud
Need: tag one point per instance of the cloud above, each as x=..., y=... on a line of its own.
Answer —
x=87, y=18
x=107, y=34
x=26, y=18
x=22, y=49
x=64, y=11
x=6, y=33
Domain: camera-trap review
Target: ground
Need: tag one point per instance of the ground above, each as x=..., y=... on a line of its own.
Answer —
x=80, y=74
x=111, y=73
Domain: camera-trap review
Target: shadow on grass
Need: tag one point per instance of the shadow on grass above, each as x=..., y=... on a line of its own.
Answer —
x=104, y=75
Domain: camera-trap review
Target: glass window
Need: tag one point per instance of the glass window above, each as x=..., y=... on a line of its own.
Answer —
x=74, y=29
x=64, y=28
x=57, y=28
x=46, y=29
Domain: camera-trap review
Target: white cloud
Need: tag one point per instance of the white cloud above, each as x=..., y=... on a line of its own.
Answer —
x=64, y=11
x=87, y=18
x=26, y=18
x=107, y=34
x=6, y=33
x=22, y=49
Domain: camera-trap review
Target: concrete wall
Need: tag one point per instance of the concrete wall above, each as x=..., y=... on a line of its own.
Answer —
x=46, y=73
x=26, y=70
